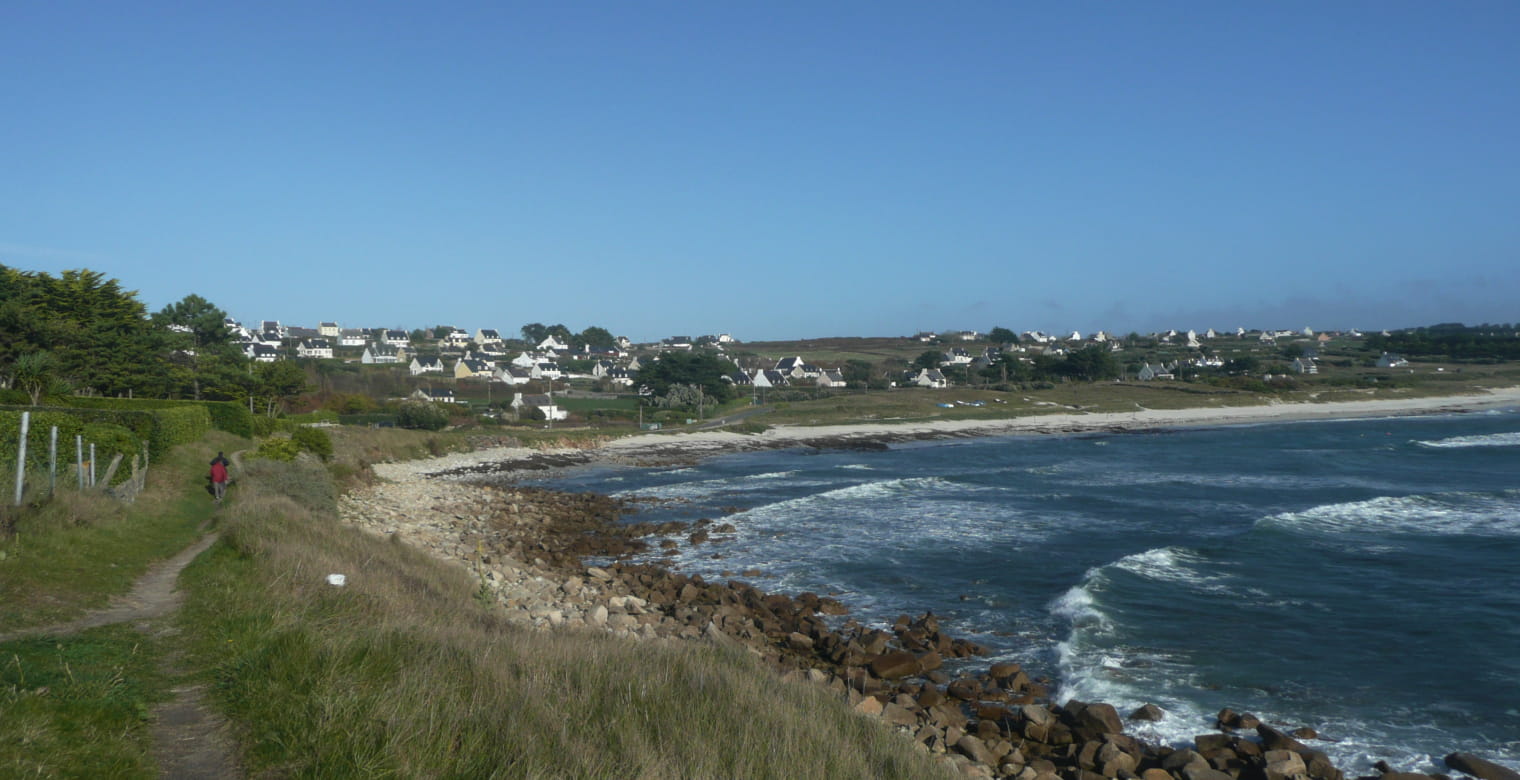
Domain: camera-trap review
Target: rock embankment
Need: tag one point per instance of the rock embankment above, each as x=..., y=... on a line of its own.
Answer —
x=528, y=547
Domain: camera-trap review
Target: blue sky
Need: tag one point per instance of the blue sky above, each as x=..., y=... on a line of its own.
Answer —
x=774, y=170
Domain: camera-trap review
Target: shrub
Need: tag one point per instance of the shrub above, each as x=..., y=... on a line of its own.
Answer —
x=313, y=440
x=263, y=426
x=278, y=448
x=426, y=416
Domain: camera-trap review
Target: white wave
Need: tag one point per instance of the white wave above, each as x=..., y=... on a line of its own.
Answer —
x=857, y=466
x=1444, y=514
x=1172, y=565
x=1080, y=608
x=1510, y=439
x=773, y=475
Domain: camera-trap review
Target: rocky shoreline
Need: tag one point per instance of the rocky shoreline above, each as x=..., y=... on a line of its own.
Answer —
x=528, y=546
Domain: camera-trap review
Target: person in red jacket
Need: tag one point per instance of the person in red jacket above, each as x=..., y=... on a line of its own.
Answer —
x=219, y=477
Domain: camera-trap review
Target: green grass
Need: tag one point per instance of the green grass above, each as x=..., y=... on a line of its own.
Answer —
x=627, y=405
x=72, y=552
x=78, y=706
x=404, y=672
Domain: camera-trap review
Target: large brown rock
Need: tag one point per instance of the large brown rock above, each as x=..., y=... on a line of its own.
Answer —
x=898, y=715
x=1272, y=739
x=976, y=750
x=890, y=666
x=1092, y=721
x=1148, y=712
x=1480, y=768
x=964, y=689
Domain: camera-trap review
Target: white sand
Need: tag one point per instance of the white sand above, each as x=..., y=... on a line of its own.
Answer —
x=701, y=443
x=1068, y=422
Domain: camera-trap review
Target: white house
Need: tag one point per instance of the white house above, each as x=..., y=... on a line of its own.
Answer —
x=770, y=377
x=543, y=403
x=315, y=348
x=1149, y=371
x=397, y=338
x=513, y=375
x=546, y=370
x=260, y=352
x=440, y=396
x=379, y=353
x=1391, y=361
x=488, y=337
x=352, y=337
x=955, y=357
x=552, y=343
x=621, y=377
x=456, y=339
x=1304, y=365
x=328, y=330
x=831, y=377
x=426, y=364
x=929, y=377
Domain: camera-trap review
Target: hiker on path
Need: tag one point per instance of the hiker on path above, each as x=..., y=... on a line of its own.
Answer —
x=219, y=477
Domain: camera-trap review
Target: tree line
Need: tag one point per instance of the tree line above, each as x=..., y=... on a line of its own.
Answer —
x=82, y=333
x=1453, y=341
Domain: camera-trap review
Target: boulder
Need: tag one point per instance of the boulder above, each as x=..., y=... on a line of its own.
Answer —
x=1204, y=772
x=976, y=750
x=1272, y=739
x=1095, y=720
x=1003, y=671
x=898, y=715
x=964, y=689
x=890, y=666
x=869, y=705
x=1480, y=768
x=1156, y=773
x=1148, y=712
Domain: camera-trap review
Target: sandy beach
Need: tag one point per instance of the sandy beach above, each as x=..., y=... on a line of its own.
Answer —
x=664, y=447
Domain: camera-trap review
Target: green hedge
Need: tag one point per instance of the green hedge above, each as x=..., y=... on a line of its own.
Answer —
x=162, y=428
x=109, y=439
x=226, y=416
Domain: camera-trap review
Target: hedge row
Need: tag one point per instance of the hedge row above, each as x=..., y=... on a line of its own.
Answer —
x=162, y=427
x=226, y=416
x=109, y=440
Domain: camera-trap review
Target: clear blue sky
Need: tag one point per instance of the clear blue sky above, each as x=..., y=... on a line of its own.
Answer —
x=774, y=170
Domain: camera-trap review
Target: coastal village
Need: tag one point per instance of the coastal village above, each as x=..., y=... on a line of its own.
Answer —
x=458, y=366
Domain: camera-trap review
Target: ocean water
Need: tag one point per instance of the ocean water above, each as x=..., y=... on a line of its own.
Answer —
x=1360, y=577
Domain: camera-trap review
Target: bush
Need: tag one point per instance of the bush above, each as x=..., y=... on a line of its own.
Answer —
x=424, y=416
x=313, y=440
x=263, y=426
x=278, y=448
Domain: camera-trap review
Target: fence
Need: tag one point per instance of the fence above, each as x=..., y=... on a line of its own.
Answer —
x=85, y=473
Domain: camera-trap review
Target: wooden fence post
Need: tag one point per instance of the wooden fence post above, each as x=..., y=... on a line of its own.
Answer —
x=53, y=460
x=26, y=422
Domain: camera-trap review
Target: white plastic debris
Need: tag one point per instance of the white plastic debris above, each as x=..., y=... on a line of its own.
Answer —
x=336, y=580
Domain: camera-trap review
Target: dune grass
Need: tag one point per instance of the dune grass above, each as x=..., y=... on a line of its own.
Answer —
x=405, y=671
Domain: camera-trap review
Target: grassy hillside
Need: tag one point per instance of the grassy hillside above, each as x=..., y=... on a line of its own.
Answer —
x=404, y=671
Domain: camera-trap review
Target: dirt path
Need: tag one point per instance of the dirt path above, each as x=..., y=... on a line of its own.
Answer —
x=189, y=739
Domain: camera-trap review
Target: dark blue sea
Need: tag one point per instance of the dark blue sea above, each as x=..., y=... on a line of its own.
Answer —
x=1361, y=577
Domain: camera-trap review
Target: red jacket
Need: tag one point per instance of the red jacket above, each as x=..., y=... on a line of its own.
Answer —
x=218, y=472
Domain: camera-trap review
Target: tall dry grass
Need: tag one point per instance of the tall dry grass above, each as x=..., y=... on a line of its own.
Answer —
x=405, y=672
